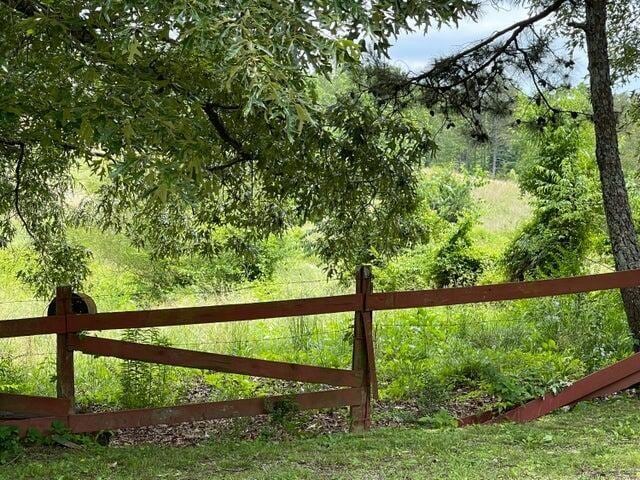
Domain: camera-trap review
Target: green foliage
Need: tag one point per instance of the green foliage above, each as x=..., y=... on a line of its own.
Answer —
x=9, y=443
x=448, y=211
x=411, y=270
x=455, y=263
x=558, y=170
x=60, y=263
x=225, y=386
x=9, y=376
x=440, y=420
x=591, y=328
x=200, y=115
x=448, y=192
x=434, y=393
x=146, y=384
x=283, y=411
x=374, y=197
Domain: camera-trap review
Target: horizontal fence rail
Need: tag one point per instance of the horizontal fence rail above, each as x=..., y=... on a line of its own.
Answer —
x=357, y=386
x=214, y=361
x=504, y=291
x=27, y=327
x=318, y=306
x=180, y=316
x=144, y=417
x=36, y=406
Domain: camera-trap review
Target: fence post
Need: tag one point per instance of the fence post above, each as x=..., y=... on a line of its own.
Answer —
x=65, y=382
x=363, y=355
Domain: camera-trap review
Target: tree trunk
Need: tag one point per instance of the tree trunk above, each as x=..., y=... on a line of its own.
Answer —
x=494, y=147
x=624, y=240
x=494, y=165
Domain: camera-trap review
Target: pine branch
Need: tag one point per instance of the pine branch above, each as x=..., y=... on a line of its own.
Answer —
x=515, y=29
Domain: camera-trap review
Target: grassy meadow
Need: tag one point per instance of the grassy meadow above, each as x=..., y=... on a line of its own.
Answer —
x=485, y=355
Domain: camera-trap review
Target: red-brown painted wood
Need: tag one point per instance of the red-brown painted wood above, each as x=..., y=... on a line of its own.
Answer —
x=65, y=372
x=94, y=422
x=500, y=292
x=615, y=387
x=597, y=381
x=37, y=406
x=360, y=414
x=214, y=361
x=214, y=314
x=371, y=360
x=26, y=327
x=476, y=418
x=42, y=424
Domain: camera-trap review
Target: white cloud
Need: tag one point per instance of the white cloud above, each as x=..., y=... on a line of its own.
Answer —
x=416, y=50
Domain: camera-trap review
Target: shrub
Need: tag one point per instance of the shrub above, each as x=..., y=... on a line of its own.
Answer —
x=408, y=271
x=448, y=192
x=557, y=168
x=455, y=263
x=9, y=443
x=555, y=241
x=9, y=376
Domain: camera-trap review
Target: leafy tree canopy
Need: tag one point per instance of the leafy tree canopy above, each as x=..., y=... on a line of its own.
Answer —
x=199, y=114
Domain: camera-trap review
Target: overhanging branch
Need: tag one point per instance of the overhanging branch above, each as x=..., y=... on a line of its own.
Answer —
x=515, y=30
x=16, y=190
x=241, y=153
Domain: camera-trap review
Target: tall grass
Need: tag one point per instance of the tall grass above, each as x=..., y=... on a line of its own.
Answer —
x=505, y=351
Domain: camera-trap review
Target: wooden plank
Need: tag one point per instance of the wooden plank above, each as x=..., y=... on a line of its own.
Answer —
x=360, y=414
x=476, y=418
x=42, y=424
x=214, y=361
x=367, y=320
x=501, y=292
x=26, y=327
x=65, y=373
x=583, y=388
x=214, y=314
x=615, y=387
x=37, y=406
x=93, y=422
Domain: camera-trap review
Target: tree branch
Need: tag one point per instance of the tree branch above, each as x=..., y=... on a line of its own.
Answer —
x=241, y=154
x=515, y=28
x=16, y=191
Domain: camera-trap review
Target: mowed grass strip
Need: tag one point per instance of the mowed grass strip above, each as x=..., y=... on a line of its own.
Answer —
x=595, y=440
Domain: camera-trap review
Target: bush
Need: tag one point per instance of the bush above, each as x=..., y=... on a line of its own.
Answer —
x=455, y=263
x=9, y=443
x=408, y=271
x=448, y=192
x=9, y=376
x=557, y=168
x=590, y=327
x=555, y=241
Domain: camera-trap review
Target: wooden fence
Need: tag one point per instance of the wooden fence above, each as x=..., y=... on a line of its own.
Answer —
x=355, y=387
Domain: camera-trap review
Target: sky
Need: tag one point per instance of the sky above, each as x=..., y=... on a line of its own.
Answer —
x=415, y=51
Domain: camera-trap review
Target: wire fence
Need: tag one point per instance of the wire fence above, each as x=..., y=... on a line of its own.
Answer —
x=208, y=292
x=386, y=321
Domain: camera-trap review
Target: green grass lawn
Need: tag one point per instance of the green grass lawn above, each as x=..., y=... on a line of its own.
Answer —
x=595, y=440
